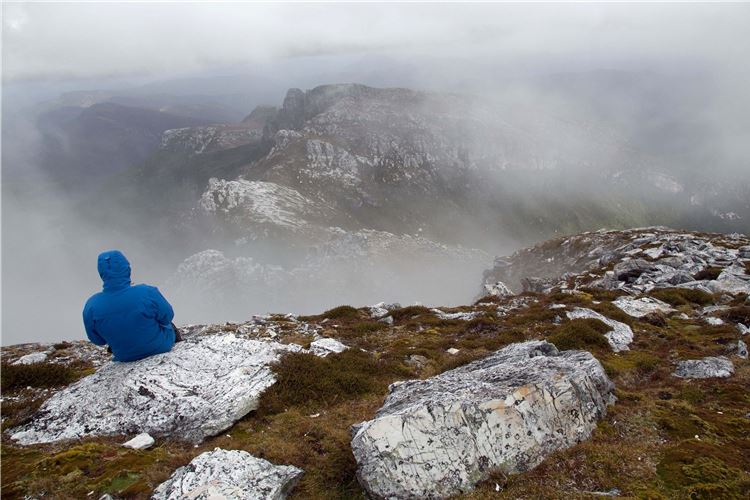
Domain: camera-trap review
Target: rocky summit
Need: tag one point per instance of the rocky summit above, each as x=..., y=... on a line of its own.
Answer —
x=437, y=437
x=605, y=363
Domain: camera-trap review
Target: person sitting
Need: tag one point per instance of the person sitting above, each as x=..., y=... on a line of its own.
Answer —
x=134, y=320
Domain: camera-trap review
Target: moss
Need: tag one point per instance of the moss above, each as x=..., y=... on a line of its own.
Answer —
x=682, y=296
x=122, y=482
x=693, y=394
x=640, y=362
x=580, y=334
x=677, y=421
x=701, y=470
x=709, y=273
x=36, y=375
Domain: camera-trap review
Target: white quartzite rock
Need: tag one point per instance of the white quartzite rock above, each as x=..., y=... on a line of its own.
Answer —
x=710, y=367
x=325, y=346
x=228, y=475
x=641, y=307
x=197, y=390
x=437, y=437
x=140, y=442
x=463, y=316
x=619, y=337
x=34, y=357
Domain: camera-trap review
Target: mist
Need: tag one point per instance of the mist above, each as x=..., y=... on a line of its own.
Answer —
x=650, y=98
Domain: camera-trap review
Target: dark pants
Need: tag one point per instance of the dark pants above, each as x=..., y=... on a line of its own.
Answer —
x=177, y=337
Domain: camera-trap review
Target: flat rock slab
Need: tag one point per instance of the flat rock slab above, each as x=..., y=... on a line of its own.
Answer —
x=438, y=437
x=619, y=337
x=229, y=474
x=197, y=390
x=641, y=307
x=711, y=367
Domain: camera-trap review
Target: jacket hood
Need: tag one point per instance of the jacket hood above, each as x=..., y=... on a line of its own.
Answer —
x=114, y=270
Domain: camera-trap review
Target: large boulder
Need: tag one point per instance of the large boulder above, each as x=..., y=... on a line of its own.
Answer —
x=229, y=474
x=198, y=389
x=438, y=437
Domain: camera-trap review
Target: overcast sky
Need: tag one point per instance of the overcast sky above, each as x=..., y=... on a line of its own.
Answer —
x=91, y=40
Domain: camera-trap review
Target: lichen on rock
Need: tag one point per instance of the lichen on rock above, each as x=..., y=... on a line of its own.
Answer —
x=709, y=367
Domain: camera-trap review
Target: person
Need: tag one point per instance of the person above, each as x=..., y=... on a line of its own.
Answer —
x=135, y=321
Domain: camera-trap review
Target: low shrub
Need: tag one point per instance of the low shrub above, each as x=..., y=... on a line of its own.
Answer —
x=702, y=470
x=481, y=325
x=740, y=314
x=683, y=296
x=36, y=375
x=304, y=378
x=709, y=273
x=409, y=312
x=341, y=312
x=580, y=334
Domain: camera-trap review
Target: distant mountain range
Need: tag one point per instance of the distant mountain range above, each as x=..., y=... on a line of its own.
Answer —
x=344, y=175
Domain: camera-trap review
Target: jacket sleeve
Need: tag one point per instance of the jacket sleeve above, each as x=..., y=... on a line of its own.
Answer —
x=164, y=311
x=88, y=324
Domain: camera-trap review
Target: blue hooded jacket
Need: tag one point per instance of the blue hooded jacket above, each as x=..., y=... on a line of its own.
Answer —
x=136, y=321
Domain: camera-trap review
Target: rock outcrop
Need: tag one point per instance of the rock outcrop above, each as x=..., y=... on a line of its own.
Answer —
x=641, y=260
x=437, y=437
x=710, y=367
x=198, y=389
x=229, y=474
x=642, y=306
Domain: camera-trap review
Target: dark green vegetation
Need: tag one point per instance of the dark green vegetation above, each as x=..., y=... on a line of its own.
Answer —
x=683, y=296
x=710, y=273
x=646, y=446
x=584, y=334
x=36, y=375
x=307, y=379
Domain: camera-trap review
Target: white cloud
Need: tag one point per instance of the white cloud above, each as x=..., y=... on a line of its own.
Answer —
x=100, y=39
